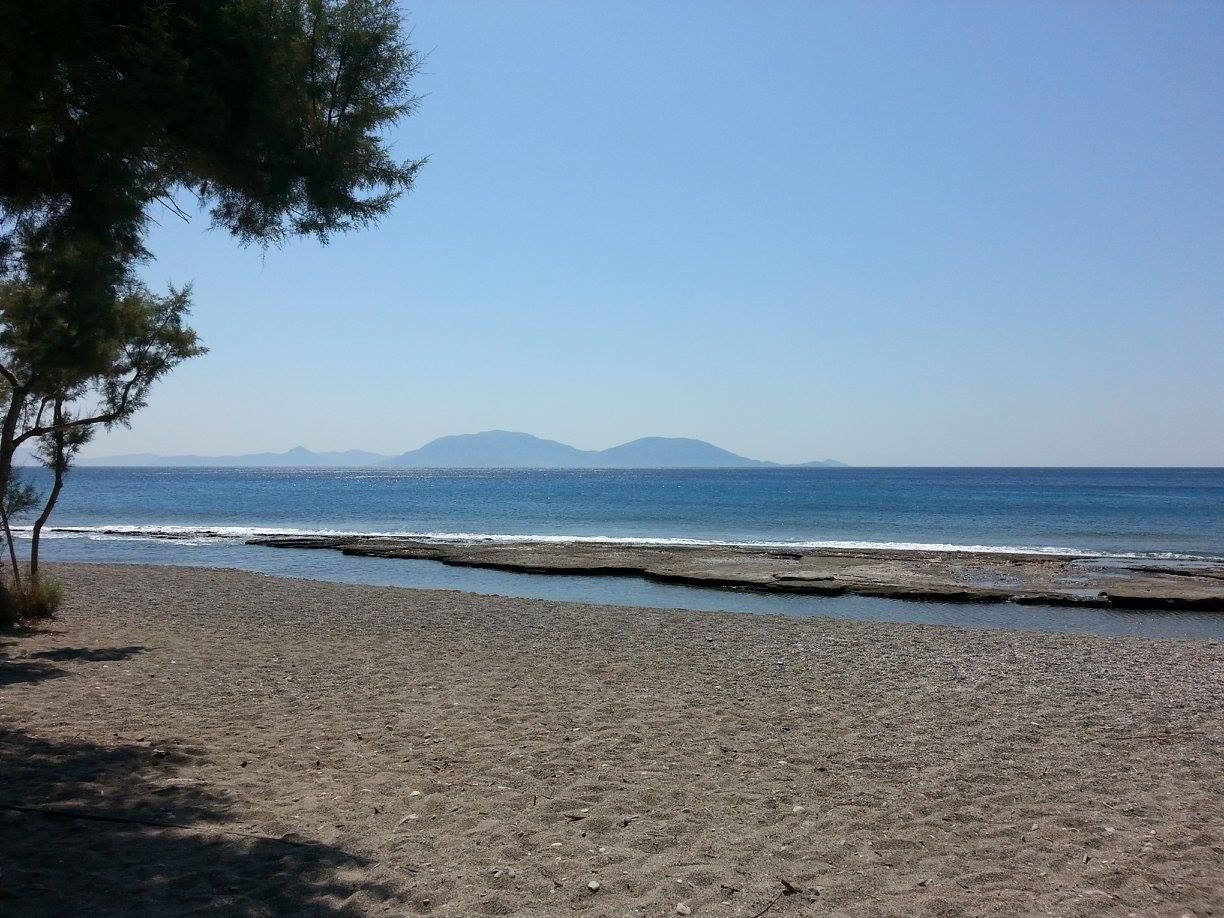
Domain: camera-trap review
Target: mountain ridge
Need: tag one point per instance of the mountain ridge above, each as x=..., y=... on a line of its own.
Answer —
x=486, y=449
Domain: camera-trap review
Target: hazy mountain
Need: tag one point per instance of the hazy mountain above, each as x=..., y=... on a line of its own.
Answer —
x=492, y=449
x=671, y=452
x=498, y=449
x=508, y=450
x=823, y=464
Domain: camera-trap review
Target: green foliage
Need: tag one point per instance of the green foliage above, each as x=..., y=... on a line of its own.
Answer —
x=150, y=337
x=59, y=409
x=34, y=600
x=21, y=497
x=267, y=112
x=270, y=114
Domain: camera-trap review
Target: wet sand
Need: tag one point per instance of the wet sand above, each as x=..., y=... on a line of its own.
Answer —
x=216, y=742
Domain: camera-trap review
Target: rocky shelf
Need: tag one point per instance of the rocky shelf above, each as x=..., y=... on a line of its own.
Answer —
x=945, y=576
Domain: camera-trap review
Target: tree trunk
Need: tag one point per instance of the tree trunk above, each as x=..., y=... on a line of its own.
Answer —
x=8, y=432
x=36, y=534
x=60, y=463
x=8, y=537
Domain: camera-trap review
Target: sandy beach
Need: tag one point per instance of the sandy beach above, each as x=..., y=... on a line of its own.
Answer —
x=194, y=741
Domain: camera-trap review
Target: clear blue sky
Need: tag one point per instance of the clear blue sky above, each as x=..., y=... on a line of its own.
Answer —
x=892, y=233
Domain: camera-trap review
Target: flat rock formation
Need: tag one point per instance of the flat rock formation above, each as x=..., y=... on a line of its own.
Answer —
x=948, y=576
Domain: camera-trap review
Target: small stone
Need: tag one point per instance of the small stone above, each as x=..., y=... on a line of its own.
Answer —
x=682, y=909
x=798, y=810
x=593, y=886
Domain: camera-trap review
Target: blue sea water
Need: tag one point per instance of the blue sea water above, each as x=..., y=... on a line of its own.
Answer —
x=201, y=516
x=1147, y=511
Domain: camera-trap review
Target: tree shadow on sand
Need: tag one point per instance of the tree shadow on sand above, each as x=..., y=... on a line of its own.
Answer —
x=15, y=671
x=116, y=830
x=88, y=654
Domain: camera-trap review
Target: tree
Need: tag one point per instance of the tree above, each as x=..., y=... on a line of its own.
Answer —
x=59, y=412
x=20, y=498
x=56, y=450
x=269, y=114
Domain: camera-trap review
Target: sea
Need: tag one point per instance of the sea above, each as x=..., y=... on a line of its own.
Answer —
x=202, y=517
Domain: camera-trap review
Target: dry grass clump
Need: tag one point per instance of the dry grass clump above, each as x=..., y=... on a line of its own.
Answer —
x=30, y=601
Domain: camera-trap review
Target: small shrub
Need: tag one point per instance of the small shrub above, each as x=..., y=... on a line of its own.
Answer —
x=8, y=609
x=33, y=601
x=42, y=598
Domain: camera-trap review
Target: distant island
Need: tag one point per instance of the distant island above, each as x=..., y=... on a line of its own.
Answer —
x=492, y=449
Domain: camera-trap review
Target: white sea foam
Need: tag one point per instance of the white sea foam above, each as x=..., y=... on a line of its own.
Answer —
x=203, y=535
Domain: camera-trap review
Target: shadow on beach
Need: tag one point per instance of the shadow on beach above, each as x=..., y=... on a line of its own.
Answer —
x=34, y=669
x=88, y=654
x=117, y=830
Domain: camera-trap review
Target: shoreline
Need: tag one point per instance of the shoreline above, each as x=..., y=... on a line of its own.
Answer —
x=1086, y=581
x=204, y=738
x=251, y=534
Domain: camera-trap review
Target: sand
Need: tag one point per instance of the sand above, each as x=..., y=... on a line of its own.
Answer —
x=218, y=742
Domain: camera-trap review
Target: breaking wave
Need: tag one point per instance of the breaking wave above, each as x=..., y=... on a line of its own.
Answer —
x=208, y=535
